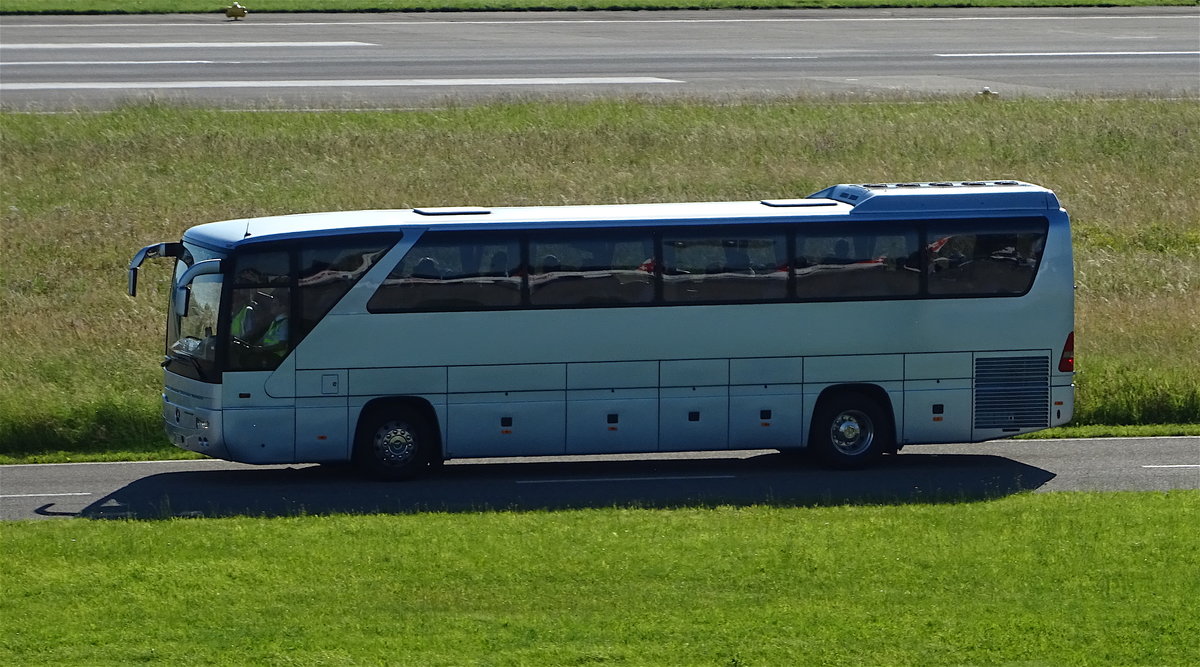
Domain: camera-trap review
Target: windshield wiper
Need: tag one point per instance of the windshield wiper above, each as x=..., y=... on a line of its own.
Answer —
x=168, y=358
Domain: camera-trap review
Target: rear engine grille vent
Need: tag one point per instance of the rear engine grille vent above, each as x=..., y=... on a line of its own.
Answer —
x=1012, y=392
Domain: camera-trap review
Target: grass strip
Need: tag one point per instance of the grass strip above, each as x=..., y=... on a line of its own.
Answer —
x=264, y=6
x=1111, y=431
x=82, y=191
x=1048, y=579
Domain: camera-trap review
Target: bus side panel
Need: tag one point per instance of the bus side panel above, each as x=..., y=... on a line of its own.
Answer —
x=260, y=435
x=612, y=407
x=937, y=411
x=766, y=403
x=502, y=423
x=612, y=421
x=259, y=427
x=322, y=429
x=506, y=410
x=397, y=381
x=321, y=416
x=937, y=398
x=838, y=332
x=693, y=418
x=693, y=408
x=873, y=368
x=767, y=416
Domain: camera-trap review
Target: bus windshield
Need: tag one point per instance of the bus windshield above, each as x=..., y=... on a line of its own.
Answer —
x=191, y=348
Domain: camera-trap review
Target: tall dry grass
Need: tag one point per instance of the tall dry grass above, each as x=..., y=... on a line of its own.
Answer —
x=81, y=192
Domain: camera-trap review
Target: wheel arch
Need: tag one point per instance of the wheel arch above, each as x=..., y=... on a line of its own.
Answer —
x=872, y=391
x=421, y=406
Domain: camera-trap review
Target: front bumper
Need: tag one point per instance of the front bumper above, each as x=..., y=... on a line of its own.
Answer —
x=193, y=428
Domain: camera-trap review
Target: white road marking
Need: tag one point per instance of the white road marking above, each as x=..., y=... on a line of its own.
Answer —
x=622, y=479
x=177, y=45
x=335, y=83
x=42, y=495
x=1067, y=54
x=519, y=21
x=1180, y=465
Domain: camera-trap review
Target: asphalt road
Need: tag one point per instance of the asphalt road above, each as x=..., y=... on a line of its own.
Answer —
x=415, y=60
x=941, y=473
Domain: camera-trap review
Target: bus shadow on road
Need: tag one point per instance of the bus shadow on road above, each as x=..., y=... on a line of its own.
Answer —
x=766, y=479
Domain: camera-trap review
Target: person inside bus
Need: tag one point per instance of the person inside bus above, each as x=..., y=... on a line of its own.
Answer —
x=427, y=269
x=274, y=340
x=498, y=266
x=551, y=264
x=841, y=253
x=263, y=324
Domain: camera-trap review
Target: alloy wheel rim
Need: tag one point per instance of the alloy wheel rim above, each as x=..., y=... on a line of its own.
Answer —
x=851, y=432
x=395, y=444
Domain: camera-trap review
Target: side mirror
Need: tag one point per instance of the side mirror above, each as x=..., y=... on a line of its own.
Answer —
x=183, y=286
x=150, y=252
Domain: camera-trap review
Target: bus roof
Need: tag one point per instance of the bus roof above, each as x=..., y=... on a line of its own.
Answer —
x=873, y=201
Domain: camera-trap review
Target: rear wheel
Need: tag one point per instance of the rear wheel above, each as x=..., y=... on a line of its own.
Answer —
x=394, y=444
x=850, y=430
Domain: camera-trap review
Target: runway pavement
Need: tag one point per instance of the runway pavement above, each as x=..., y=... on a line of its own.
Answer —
x=931, y=473
x=416, y=60
x=412, y=60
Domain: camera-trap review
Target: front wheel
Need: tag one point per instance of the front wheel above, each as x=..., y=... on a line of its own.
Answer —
x=850, y=430
x=394, y=444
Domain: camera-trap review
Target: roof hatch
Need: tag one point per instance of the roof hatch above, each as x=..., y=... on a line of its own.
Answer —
x=452, y=210
x=792, y=203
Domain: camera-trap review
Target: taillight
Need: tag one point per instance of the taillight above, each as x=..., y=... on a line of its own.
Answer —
x=1066, y=362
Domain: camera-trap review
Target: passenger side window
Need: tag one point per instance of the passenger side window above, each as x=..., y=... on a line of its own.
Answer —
x=448, y=271
x=591, y=268
x=997, y=259
x=738, y=266
x=329, y=270
x=856, y=263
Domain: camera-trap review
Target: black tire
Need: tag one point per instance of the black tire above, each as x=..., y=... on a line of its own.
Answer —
x=850, y=430
x=394, y=444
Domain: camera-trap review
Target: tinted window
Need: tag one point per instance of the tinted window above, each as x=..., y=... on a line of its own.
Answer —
x=329, y=269
x=998, y=258
x=261, y=268
x=734, y=266
x=260, y=309
x=594, y=268
x=860, y=263
x=453, y=272
x=259, y=327
x=731, y=264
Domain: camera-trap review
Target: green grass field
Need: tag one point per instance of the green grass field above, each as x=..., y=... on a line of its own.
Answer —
x=81, y=192
x=1035, y=579
x=263, y=6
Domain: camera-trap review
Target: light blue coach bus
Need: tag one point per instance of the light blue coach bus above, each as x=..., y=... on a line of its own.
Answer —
x=851, y=323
